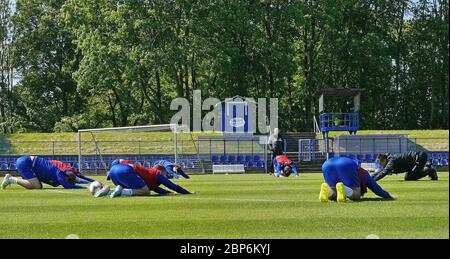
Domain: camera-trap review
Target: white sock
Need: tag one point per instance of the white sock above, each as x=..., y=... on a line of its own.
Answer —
x=331, y=190
x=348, y=191
x=127, y=192
x=13, y=180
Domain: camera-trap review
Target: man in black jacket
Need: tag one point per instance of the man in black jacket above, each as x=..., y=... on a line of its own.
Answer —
x=415, y=164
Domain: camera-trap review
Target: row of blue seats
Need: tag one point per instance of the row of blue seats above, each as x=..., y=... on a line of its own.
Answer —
x=251, y=164
x=74, y=159
x=94, y=165
x=232, y=159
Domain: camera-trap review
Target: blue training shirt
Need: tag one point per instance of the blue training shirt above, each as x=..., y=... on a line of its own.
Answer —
x=50, y=174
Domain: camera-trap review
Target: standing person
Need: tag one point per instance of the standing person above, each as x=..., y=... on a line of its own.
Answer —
x=415, y=164
x=275, y=146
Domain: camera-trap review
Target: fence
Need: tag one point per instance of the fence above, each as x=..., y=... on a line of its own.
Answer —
x=366, y=148
x=246, y=151
x=55, y=148
x=230, y=150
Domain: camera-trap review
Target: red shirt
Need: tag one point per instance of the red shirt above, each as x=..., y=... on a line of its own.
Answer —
x=283, y=160
x=361, y=173
x=63, y=167
x=149, y=175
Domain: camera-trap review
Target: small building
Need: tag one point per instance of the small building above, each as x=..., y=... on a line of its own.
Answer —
x=238, y=115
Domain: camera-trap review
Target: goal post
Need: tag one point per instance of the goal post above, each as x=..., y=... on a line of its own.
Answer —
x=97, y=148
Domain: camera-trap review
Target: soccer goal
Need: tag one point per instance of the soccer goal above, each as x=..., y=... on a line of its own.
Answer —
x=97, y=148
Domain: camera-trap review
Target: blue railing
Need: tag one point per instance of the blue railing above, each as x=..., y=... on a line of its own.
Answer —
x=339, y=121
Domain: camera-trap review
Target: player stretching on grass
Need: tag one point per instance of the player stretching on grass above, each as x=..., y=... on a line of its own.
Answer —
x=171, y=170
x=136, y=180
x=415, y=164
x=35, y=171
x=284, y=167
x=343, y=179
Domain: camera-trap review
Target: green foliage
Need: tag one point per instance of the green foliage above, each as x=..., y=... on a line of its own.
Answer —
x=101, y=63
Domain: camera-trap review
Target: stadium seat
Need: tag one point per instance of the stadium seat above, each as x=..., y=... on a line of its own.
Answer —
x=360, y=157
x=444, y=155
x=256, y=159
x=435, y=162
x=182, y=165
x=444, y=162
x=93, y=166
x=3, y=166
x=103, y=165
x=12, y=166
x=435, y=156
x=369, y=158
x=260, y=164
x=248, y=159
x=215, y=160
x=231, y=159
x=250, y=164
x=190, y=165
x=223, y=159
x=240, y=159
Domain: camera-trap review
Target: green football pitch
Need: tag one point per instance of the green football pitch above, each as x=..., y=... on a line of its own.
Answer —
x=230, y=206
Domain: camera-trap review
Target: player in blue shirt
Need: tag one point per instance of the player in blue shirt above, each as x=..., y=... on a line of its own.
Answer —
x=172, y=169
x=345, y=179
x=35, y=171
x=284, y=167
x=137, y=180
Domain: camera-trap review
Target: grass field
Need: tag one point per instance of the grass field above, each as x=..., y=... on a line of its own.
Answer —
x=230, y=206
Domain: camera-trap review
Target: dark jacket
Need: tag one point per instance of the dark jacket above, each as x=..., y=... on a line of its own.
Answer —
x=401, y=163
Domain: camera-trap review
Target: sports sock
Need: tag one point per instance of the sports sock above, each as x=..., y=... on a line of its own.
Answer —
x=13, y=180
x=348, y=191
x=127, y=192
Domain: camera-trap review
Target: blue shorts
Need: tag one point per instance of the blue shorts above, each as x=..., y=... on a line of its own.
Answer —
x=341, y=169
x=24, y=166
x=125, y=176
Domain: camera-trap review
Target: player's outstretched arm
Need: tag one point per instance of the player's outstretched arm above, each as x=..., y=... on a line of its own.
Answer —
x=174, y=187
x=294, y=169
x=182, y=173
x=65, y=183
x=161, y=191
x=376, y=188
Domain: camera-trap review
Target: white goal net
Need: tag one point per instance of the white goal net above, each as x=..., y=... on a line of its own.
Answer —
x=144, y=145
